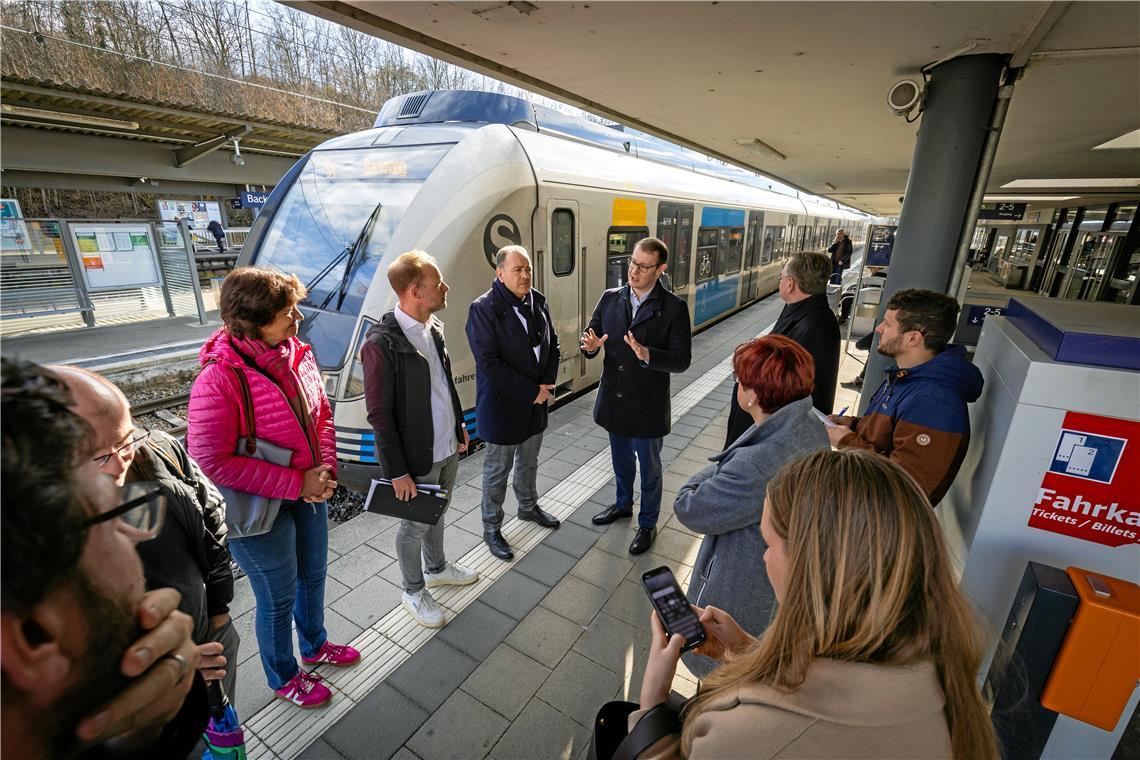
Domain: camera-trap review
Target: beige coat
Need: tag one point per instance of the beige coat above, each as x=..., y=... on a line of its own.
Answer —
x=842, y=710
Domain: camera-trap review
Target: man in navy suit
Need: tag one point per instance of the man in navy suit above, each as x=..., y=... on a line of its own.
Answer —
x=516, y=364
x=646, y=332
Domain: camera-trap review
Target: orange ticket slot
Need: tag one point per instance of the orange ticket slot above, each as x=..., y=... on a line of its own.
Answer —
x=1099, y=662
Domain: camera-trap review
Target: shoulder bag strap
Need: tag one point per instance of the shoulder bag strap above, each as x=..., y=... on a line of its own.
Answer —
x=656, y=724
x=247, y=412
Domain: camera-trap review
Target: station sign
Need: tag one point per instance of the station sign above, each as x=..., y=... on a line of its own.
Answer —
x=1091, y=490
x=235, y=204
x=1014, y=211
x=254, y=200
x=881, y=241
x=977, y=314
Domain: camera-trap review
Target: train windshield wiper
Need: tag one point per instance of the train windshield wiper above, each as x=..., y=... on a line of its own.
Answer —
x=351, y=252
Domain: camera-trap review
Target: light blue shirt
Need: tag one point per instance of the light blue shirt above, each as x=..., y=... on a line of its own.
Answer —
x=635, y=302
x=442, y=413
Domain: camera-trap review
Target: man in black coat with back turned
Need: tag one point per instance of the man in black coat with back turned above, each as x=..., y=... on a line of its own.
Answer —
x=808, y=320
x=646, y=331
x=516, y=353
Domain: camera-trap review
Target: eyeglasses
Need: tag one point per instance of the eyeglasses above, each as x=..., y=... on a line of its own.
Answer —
x=140, y=515
x=130, y=447
x=642, y=268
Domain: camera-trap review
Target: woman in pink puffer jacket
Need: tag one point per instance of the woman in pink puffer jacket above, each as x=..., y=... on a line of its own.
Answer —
x=286, y=565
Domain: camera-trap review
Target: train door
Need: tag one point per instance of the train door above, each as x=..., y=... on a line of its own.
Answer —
x=675, y=230
x=559, y=271
x=752, y=257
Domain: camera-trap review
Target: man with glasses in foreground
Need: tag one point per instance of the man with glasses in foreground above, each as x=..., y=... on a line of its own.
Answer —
x=189, y=554
x=918, y=416
x=89, y=657
x=646, y=332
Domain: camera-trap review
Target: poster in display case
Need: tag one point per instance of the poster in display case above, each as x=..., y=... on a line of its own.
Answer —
x=115, y=256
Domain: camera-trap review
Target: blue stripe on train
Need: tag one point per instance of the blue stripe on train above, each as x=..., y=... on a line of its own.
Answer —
x=711, y=216
x=362, y=442
x=715, y=297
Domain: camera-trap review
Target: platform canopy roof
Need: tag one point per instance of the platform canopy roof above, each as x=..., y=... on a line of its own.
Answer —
x=797, y=90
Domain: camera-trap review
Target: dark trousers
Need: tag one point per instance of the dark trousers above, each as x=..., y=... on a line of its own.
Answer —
x=623, y=452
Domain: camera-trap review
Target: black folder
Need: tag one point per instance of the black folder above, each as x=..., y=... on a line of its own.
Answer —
x=425, y=507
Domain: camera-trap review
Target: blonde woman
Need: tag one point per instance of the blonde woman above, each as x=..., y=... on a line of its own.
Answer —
x=873, y=651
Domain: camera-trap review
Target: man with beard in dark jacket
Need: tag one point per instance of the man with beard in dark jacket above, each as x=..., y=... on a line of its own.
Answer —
x=807, y=319
x=649, y=336
x=918, y=416
x=516, y=352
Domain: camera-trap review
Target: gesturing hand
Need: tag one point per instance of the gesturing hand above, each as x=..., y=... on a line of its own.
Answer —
x=591, y=342
x=639, y=350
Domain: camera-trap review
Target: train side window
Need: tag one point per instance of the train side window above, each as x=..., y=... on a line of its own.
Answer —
x=619, y=245
x=562, y=242
x=354, y=387
x=731, y=249
x=778, y=249
x=769, y=245
x=707, y=240
x=679, y=255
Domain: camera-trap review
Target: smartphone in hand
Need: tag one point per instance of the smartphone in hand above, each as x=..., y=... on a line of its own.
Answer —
x=672, y=607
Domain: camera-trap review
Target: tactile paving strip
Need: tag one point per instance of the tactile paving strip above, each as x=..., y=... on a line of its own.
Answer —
x=282, y=731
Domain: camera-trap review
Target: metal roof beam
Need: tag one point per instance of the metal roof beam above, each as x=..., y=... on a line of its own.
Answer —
x=191, y=153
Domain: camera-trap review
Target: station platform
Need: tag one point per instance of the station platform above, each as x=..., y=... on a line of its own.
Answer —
x=532, y=650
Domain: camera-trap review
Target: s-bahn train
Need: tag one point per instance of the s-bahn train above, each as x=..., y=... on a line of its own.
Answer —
x=460, y=174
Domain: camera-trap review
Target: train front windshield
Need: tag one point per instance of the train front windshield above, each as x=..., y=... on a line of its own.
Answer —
x=322, y=215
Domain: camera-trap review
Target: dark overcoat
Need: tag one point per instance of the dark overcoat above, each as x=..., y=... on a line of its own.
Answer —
x=633, y=397
x=507, y=375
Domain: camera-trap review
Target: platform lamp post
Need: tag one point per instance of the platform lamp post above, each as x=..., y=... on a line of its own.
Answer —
x=952, y=157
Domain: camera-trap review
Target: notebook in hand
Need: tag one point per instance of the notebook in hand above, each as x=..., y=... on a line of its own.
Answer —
x=425, y=507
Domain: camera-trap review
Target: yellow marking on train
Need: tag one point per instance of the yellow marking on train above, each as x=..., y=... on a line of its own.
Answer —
x=629, y=212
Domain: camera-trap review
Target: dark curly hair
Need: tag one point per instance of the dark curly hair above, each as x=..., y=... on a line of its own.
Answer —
x=933, y=314
x=42, y=445
x=252, y=297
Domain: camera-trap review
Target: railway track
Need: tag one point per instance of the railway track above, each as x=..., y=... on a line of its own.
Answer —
x=160, y=407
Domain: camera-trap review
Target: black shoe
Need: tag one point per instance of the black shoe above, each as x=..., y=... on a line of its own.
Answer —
x=642, y=540
x=853, y=385
x=537, y=515
x=497, y=544
x=611, y=513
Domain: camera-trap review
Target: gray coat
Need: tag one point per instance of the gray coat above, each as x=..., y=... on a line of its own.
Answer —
x=725, y=501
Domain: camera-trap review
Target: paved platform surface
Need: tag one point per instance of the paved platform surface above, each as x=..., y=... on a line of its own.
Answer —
x=532, y=650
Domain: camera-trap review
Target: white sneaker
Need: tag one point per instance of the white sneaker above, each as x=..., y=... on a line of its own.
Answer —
x=452, y=574
x=424, y=608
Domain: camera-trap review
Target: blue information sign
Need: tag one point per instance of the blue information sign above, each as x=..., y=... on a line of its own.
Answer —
x=253, y=200
x=978, y=314
x=881, y=245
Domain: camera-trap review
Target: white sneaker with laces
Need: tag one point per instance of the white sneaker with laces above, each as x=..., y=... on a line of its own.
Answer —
x=424, y=608
x=452, y=574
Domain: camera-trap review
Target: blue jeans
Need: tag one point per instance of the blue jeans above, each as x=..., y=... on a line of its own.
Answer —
x=648, y=453
x=286, y=568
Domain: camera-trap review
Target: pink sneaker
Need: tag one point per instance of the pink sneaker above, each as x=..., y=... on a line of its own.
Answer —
x=305, y=690
x=334, y=654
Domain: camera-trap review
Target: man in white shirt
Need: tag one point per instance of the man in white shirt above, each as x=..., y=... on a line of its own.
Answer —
x=414, y=409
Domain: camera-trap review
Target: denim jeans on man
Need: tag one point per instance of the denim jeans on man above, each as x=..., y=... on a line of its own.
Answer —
x=648, y=454
x=286, y=568
x=497, y=461
x=412, y=536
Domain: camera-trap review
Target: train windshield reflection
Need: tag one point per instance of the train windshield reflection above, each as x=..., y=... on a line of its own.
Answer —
x=330, y=202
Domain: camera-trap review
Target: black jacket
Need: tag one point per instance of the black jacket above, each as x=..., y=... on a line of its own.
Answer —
x=812, y=324
x=841, y=254
x=397, y=393
x=189, y=553
x=633, y=398
x=507, y=375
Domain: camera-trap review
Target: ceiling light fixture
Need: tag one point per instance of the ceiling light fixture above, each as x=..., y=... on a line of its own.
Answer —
x=759, y=146
x=1027, y=198
x=1126, y=140
x=1069, y=184
x=236, y=159
x=829, y=186
x=68, y=118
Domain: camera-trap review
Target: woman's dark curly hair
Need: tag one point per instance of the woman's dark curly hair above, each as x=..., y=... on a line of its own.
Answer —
x=252, y=297
x=42, y=446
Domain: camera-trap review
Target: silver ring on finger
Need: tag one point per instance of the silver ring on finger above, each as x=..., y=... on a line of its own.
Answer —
x=183, y=665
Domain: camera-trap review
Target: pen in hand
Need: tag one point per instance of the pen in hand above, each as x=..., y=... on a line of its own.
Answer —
x=843, y=411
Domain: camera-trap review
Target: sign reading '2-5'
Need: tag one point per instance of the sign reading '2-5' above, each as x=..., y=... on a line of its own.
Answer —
x=1091, y=490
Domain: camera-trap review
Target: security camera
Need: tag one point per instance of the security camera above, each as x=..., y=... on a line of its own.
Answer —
x=236, y=159
x=903, y=97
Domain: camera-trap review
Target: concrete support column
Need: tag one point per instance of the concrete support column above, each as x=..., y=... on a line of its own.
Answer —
x=960, y=99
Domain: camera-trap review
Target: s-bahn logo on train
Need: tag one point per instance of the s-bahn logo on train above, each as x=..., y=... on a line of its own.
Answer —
x=502, y=230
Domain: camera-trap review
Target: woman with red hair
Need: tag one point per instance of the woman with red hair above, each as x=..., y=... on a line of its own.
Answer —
x=725, y=501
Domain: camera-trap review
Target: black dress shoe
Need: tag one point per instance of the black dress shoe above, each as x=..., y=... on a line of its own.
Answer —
x=611, y=513
x=537, y=515
x=497, y=544
x=642, y=540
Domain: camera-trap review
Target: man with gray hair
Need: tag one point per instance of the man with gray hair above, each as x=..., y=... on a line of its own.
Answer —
x=516, y=353
x=807, y=319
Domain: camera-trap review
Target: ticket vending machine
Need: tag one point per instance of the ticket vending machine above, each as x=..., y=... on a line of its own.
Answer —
x=1053, y=471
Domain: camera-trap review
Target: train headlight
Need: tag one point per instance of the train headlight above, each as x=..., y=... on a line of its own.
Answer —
x=331, y=381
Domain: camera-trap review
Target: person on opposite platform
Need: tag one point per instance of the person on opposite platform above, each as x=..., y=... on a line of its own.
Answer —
x=918, y=416
x=808, y=320
x=516, y=355
x=647, y=335
x=724, y=501
x=840, y=251
x=414, y=408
